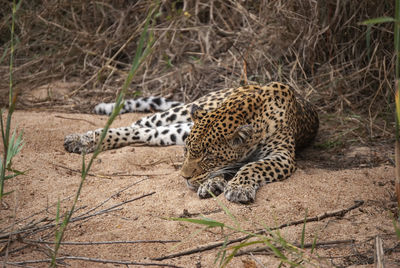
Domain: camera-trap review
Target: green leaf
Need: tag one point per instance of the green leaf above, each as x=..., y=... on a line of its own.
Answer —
x=18, y=5
x=396, y=228
x=226, y=210
x=223, y=250
x=84, y=171
x=204, y=221
x=4, y=194
x=4, y=53
x=276, y=251
x=378, y=20
x=16, y=173
x=14, y=147
x=3, y=133
x=246, y=244
x=314, y=244
x=236, y=249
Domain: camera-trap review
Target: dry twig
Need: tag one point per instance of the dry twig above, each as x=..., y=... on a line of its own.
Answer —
x=379, y=254
x=115, y=174
x=30, y=230
x=93, y=243
x=93, y=260
x=267, y=250
x=336, y=213
x=75, y=119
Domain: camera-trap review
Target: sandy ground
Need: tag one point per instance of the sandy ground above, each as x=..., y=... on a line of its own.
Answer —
x=124, y=174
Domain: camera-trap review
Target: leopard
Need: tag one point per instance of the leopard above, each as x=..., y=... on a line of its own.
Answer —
x=234, y=140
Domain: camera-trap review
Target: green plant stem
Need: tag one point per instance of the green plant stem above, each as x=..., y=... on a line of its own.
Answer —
x=144, y=47
x=397, y=100
x=11, y=105
x=397, y=37
x=397, y=182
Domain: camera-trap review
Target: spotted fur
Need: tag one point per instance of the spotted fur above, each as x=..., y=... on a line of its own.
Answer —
x=170, y=127
x=235, y=140
x=145, y=104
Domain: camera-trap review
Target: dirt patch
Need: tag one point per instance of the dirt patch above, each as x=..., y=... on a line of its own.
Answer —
x=124, y=174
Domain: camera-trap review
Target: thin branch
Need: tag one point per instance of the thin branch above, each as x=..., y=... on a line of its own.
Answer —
x=325, y=215
x=75, y=119
x=152, y=163
x=379, y=253
x=32, y=229
x=115, y=194
x=17, y=249
x=31, y=225
x=330, y=214
x=268, y=250
x=34, y=214
x=79, y=218
x=131, y=200
x=94, y=260
x=72, y=243
x=112, y=174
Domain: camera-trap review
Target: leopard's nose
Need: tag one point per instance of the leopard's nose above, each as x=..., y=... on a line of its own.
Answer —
x=186, y=171
x=185, y=174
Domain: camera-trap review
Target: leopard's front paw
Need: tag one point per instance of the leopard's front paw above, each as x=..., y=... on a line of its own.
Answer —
x=214, y=185
x=240, y=193
x=78, y=143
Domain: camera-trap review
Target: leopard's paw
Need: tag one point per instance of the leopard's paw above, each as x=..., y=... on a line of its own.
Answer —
x=214, y=185
x=79, y=143
x=240, y=193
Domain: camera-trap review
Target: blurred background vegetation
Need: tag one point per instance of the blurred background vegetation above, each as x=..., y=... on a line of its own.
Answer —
x=318, y=47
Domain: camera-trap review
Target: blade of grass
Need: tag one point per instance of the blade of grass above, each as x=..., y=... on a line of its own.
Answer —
x=303, y=232
x=314, y=244
x=223, y=250
x=396, y=228
x=205, y=221
x=146, y=40
x=226, y=210
x=16, y=173
x=12, y=98
x=378, y=20
x=5, y=52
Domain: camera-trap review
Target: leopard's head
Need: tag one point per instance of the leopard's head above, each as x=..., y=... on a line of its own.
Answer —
x=218, y=140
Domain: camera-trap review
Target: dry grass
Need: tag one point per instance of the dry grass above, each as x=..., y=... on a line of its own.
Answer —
x=316, y=46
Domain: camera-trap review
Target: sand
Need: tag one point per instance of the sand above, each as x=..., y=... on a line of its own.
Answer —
x=123, y=174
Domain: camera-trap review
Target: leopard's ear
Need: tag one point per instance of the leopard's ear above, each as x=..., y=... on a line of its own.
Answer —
x=241, y=135
x=196, y=113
